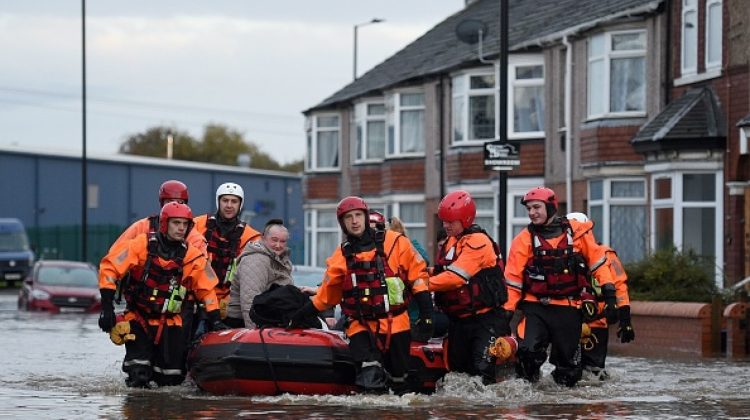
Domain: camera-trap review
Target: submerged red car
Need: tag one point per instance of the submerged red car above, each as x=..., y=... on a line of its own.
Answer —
x=61, y=286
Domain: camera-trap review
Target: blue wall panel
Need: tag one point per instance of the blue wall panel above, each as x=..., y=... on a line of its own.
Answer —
x=18, y=191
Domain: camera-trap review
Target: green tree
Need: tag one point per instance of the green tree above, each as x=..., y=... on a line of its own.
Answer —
x=154, y=143
x=219, y=144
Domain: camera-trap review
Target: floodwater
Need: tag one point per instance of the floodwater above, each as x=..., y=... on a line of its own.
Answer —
x=63, y=366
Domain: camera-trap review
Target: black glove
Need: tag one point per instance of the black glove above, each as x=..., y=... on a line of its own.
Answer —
x=437, y=269
x=107, y=319
x=625, y=332
x=589, y=308
x=610, y=303
x=423, y=328
x=302, y=315
x=213, y=319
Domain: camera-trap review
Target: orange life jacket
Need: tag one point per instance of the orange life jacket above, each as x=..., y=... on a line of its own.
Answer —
x=485, y=290
x=555, y=272
x=158, y=283
x=223, y=250
x=365, y=289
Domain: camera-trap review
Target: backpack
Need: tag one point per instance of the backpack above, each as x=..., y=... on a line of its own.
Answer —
x=275, y=307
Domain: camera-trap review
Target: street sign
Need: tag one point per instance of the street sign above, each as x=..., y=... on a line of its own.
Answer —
x=502, y=156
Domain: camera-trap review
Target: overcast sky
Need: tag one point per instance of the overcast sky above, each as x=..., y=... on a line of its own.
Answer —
x=249, y=64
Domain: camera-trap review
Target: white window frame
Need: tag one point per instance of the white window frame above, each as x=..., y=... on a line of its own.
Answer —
x=361, y=120
x=678, y=205
x=513, y=63
x=688, y=6
x=707, y=42
x=517, y=188
x=607, y=57
x=393, y=114
x=467, y=94
x=312, y=130
x=392, y=205
x=607, y=201
x=311, y=233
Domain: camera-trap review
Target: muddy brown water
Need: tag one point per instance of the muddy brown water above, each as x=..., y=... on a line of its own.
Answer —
x=63, y=366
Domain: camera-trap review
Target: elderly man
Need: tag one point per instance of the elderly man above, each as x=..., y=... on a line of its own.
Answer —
x=261, y=264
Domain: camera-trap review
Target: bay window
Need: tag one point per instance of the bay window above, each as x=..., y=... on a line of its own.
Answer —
x=370, y=131
x=618, y=209
x=474, y=106
x=713, y=42
x=617, y=74
x=322, y=142
x=405, y=124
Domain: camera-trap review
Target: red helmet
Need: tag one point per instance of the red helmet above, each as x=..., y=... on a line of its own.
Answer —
x=545, y=195
x=458, y=205
x=377, y=217
x=175, y=210
x=350, y=203
x=174, y=190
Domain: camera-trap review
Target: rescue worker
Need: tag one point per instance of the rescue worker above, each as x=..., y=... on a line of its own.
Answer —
x=169, y=191
x=594, y=347
x=227, y=236
x=152, y=326
x=469, y=288
x=547, y=270
x=372, y=274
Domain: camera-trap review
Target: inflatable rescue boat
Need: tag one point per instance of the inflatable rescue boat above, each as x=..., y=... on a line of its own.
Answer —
x=272, y=361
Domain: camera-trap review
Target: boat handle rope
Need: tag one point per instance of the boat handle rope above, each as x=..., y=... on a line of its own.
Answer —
x=268, y=360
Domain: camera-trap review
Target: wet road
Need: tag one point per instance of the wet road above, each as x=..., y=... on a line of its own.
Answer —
x=63, y=366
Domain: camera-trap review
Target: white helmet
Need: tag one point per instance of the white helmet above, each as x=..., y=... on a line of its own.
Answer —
x=581, y=217
x=230, y=188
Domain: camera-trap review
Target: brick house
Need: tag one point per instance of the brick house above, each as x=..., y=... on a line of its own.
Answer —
x=606, y=106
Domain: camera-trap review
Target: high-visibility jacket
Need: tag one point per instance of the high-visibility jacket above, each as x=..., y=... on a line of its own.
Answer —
x=151, y=224
x=521, y=253
x=197, y=275
x=400, y=257
x=222, y=250
x=621, y=285
x=466, y=256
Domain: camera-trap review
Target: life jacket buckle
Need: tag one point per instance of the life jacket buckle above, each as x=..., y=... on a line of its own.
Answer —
x=544, y=300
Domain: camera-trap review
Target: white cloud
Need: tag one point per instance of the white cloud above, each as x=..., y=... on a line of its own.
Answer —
x=250, y=68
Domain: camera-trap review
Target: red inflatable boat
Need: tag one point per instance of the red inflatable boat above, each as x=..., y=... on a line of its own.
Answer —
x=273, y=361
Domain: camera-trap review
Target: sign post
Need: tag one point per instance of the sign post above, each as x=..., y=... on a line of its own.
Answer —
x=502, y=156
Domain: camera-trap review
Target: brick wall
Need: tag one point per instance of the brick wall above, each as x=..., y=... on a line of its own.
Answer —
x=321, y=186
x=603, y=144
x=403, y=175
x=667, y=329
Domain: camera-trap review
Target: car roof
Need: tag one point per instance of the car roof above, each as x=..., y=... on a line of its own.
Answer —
x=64, y=263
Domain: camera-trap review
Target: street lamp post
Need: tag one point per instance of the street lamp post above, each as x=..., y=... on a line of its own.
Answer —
x=374, y=20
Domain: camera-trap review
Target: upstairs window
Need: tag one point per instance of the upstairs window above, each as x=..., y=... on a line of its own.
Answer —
x=322, y=142
x=405, y=120
x=713, y=34
x=617, y=74
x=370, y=131
x=526, y=99
x=474, y=107
x=689, y=51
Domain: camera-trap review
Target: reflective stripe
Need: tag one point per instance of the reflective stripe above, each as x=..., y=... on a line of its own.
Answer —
x=513, y=283
x=418, y=282
x=111, y=280
x=137, y=362
x=174, y=372
x=458, y=270
x=368, y=364
x=598, y=263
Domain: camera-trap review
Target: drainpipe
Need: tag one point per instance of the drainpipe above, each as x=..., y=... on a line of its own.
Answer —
x=568, y=123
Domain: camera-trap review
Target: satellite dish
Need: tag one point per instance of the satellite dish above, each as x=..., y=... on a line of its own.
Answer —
x=471, y=30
